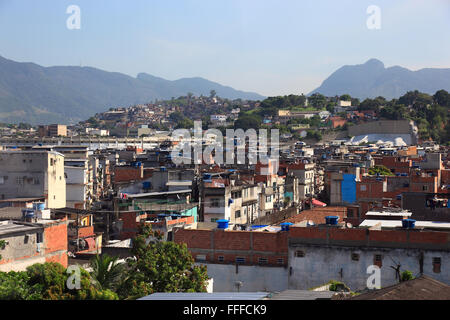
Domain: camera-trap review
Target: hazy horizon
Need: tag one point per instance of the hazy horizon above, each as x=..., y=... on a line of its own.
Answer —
x=265, y=47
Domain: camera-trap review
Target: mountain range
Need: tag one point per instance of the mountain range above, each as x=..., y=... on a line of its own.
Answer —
x=35, y=94
x=373, y=79
x=67, y=94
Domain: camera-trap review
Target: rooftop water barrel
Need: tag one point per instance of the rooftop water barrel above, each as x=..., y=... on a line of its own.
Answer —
x=146, y=184
x=27, y=213
x=222, y=224
x=408, y=223
x=259, y=226
x=162, y=169
x=332, y=220
x=38, y=206
x=285, y=226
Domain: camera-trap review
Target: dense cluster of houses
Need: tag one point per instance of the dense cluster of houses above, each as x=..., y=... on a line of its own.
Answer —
x=315, y=214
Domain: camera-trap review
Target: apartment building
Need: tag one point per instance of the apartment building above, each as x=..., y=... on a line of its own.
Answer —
x=33, y=174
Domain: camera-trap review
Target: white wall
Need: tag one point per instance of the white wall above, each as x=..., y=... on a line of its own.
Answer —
x=322, y=264
x=253, y=278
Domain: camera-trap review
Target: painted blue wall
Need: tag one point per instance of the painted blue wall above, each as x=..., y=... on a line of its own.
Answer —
x=348, y=188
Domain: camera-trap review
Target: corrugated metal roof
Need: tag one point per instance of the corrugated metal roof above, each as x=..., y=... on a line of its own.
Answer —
x=207, y=296
x=302, y=295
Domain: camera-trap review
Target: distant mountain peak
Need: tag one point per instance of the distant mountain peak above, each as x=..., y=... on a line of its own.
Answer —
x=374, y=63
x=373, y=79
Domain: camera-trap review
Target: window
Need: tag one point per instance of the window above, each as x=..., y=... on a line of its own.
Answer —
x=263, y=261
x=363, y=187
x=378, y=260
x=215, y=203
x=52, y=161
x=436, y=264
x=237, y=213
x=240, y=260
x=221, y=258
x=2, y=180
x=200, y=257
x=39, y=237
x=20, y=180
x=425, y=188
x=280, y=261
x=355, y=257
x=299, y=254
x=268, y=198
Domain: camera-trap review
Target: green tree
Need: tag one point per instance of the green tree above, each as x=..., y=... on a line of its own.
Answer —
x=380, y=170
x=107, y=271
x=442, y=98
x=345, y=97
x=161, y=267
x=246, y=122
x=317, y=100
x=406, y=276
x=48, y=281
x=2, y=246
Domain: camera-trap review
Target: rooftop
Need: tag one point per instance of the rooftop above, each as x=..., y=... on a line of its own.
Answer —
x=398, y=224
x=9, y=227
x=208, y=296
x=422, y=288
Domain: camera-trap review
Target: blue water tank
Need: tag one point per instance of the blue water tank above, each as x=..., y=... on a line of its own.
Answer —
x=285, y=226
x=259, y=226
x=222, y=224
x=408, y=223
x=206, y=176
x=27, y=213
x=331, y=220
x=39, y=206
x=146, y=184
x=162, y=169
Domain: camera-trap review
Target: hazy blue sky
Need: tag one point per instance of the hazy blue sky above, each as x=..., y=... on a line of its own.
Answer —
x=270, y=47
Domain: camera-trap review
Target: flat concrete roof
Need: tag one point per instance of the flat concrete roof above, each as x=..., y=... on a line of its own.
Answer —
x=8, y=227
x=398, y=224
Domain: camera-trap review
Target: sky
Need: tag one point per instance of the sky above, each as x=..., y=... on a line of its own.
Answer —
x=271, y=47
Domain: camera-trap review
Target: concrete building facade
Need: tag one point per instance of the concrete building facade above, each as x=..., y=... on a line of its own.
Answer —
x=27, y=174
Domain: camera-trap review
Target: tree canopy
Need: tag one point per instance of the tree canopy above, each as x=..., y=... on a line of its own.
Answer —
x=161, y=267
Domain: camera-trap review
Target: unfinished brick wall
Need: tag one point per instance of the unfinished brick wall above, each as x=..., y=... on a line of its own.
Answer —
x=221, y=246
x=55, y=242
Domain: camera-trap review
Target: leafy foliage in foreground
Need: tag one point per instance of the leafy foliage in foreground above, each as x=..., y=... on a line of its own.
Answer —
x=161, y=267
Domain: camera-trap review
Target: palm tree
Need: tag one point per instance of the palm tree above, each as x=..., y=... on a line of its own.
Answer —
x=107, y=271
